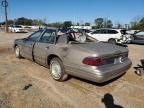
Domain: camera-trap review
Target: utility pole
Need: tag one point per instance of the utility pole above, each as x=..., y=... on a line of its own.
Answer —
x=5, y=5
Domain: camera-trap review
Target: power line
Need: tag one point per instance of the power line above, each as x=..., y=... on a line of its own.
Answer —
x=5, y=5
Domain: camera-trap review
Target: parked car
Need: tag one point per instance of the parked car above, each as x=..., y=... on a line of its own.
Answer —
x=16, y=28
x=131, y=32
x=138, y=37
x=94, y=61
x=111, y=35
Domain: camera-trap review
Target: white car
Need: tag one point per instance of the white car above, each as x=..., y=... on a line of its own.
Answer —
x=111, y=35
x=16, y=28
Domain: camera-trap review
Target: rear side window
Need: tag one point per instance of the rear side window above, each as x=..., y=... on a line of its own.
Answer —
x=48, y=37
x=103, y=31
x=96, y=32
x=112, y=32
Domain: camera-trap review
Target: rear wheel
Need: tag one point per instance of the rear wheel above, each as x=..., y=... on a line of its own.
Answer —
x=57, y=70
x=112, y=41
x=17, y=52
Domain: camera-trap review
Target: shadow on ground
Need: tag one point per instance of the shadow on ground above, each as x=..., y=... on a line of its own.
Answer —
x=97, y=84
x=108, y=101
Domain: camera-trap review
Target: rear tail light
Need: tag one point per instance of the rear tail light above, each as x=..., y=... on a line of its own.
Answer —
x=99, y=61
x=94, y=61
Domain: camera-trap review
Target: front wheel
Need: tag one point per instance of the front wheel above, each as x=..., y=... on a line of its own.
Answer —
x=17, y=52
x=57, y=70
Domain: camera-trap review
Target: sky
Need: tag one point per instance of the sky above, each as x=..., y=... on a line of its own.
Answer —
x=122, y=11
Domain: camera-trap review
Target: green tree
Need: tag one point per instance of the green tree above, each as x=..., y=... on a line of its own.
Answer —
x=23, y=21
x=56, y=24
x=87, y=24
x=119, y=25
x=9, y=22
x=67, y=24
x=77, y=24
x=99, y=22
x=142, y=20
x=109, y=24
x=35, y=22
x=138, y=24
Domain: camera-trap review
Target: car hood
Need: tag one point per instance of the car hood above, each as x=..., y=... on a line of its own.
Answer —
x=101, y=48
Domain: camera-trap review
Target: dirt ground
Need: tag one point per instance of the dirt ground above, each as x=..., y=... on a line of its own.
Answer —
x=24, y=84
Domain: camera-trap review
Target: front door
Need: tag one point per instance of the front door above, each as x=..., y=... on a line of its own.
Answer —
x=44, y=47
x=28, y=44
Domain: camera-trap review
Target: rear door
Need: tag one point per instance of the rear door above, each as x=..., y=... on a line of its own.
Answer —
x=44, y=46
x=28, y=44
x=96, y=34
x=100, y=35
x=104, y=35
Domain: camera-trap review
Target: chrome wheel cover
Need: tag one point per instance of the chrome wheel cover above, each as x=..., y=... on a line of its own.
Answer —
x=55, y=70
x=17, y=52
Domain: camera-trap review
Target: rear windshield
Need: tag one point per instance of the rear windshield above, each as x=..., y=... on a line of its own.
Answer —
x=123, y=32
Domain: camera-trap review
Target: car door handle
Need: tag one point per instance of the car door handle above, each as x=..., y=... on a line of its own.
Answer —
x=46, y=48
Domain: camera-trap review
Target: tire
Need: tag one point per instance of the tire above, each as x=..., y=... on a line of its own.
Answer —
x=57, y=70
x=17, y=52
x=112, y=41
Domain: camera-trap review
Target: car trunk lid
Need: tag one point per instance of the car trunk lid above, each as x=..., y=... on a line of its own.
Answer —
x=102, y=48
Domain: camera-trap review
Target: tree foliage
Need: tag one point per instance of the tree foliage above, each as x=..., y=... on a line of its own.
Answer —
x=109, y=24
x=138, y=25
x=56, y=24
x=23, y=21
x=9, y=22
x=99, y=22
x=87, y=24
x=67, y=24
x=103, y=23
x=26, y=21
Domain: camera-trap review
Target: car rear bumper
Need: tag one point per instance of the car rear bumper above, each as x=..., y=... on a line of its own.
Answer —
x=102, y=74
x=111, y=73
x=19, y=31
